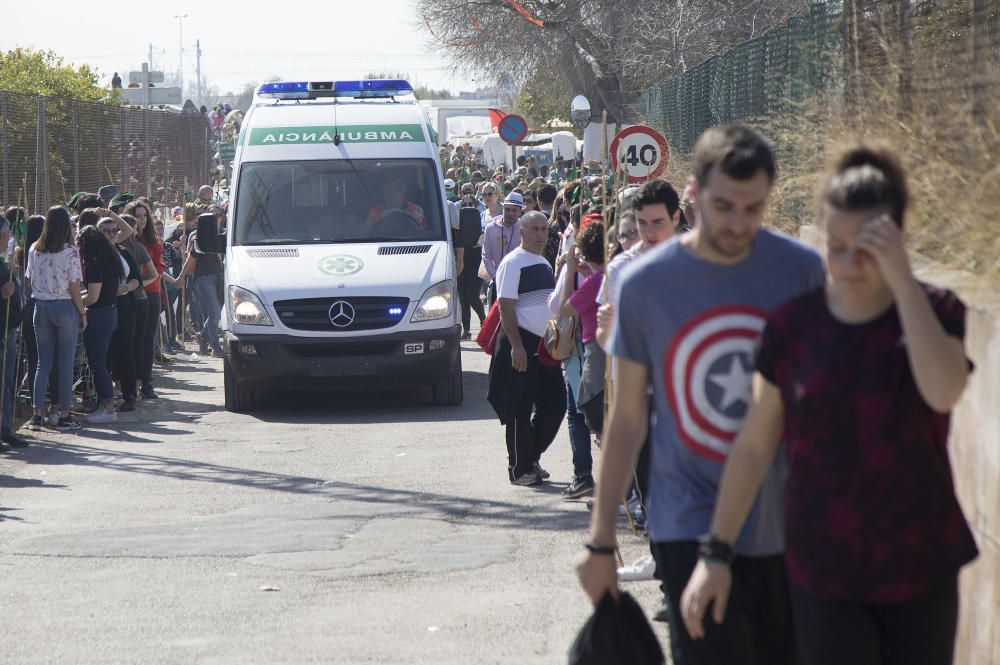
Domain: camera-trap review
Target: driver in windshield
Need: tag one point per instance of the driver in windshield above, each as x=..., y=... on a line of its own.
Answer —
x=394, y=198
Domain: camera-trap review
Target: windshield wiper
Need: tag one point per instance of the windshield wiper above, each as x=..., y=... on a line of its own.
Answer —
x=379, y=239
x=275, y=241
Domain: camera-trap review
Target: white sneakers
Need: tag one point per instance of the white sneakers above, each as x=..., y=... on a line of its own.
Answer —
x=102, y=416
x=639, y=571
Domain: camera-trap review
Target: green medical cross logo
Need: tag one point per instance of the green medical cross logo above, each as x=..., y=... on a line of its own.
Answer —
x=341, y=265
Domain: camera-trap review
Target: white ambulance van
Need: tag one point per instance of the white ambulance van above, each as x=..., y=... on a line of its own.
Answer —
x=340, y=270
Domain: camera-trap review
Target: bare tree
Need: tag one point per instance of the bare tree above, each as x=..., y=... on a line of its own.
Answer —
x=612, y=50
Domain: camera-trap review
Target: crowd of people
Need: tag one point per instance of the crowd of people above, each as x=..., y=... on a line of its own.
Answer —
x=781, y=417
x=94, y=293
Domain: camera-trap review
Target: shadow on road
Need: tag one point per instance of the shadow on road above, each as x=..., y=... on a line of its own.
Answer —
x=374, y=407
x=465, y=509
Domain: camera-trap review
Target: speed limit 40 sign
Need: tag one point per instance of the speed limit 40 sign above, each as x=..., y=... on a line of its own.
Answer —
x=641, y=152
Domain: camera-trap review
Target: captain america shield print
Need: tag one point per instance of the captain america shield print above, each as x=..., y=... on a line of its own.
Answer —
x=707, y=372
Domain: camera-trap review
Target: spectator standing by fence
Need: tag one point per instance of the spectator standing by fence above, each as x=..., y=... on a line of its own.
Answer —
x=146, y=236
x=10, y=318
x=104, y=276
x=55, y=274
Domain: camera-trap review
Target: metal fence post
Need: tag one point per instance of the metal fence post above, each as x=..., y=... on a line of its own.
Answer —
x=123, y=145
x=76, y=146
x=145, y=153
x=42, y=197
x=3, y=138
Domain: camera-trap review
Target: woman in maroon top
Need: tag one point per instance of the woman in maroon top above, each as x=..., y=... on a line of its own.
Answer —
x=860, y=377
x=145, y=233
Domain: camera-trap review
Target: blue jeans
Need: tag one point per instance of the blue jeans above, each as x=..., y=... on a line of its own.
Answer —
x=57, y=328
x=207, y=288
x=9, y=343
x=101, y=325
x=579, y=438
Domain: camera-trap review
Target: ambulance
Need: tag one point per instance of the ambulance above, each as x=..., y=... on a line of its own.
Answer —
x=339, y=262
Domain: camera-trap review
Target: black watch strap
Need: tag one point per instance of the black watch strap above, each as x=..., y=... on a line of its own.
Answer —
x=715, y=550
x=600, y=549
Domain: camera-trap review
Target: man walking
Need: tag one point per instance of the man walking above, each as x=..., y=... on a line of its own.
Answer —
x=501, y=237
x=527, y=394
x=688, y=317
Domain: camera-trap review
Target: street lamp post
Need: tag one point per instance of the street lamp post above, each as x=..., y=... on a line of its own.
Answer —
x=180, y=56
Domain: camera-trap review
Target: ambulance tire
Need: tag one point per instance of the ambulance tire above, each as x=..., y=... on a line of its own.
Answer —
x=239, y=399
x=449, y=391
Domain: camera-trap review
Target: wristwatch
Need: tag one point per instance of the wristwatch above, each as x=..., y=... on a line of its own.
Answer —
x=715, y=550
x=599, y=549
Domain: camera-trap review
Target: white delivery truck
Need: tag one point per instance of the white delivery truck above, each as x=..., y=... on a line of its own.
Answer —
x=339, y=264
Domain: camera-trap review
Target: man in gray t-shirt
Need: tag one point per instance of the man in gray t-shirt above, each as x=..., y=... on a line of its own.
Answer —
x=688, y=318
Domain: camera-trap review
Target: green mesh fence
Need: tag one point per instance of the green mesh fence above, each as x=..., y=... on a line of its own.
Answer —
x=759, y=77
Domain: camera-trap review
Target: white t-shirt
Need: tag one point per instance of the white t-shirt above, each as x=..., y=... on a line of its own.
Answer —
x=613, y=275
x=528, y=279
x=51, y=273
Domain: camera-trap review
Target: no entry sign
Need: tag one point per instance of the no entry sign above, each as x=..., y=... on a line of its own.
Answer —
x=512, y=129
x=641, y=152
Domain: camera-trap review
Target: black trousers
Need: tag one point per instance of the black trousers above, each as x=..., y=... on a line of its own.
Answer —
x=121, y=355
x=537, y=410
x=918, y=632
x=757, y=628
x=469, y=287
x=151, y=328
x=141, y=310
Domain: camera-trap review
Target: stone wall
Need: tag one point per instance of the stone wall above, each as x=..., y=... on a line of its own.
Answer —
x=975, y=455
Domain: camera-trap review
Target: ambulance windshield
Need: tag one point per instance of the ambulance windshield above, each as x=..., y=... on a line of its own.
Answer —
x=337, y=201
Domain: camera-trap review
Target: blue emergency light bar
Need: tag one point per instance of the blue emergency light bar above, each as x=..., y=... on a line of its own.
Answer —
x=367, y=89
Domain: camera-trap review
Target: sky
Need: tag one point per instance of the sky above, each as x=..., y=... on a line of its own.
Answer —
x=241, y=41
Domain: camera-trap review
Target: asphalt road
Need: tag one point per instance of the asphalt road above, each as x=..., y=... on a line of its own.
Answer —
x=328, y=528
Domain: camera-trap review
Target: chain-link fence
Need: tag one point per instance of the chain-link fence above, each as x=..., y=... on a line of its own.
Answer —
x=53, y=147
x=942, y=53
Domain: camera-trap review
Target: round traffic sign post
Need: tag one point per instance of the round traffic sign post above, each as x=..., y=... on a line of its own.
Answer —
x=512, y=129
x=641, y=152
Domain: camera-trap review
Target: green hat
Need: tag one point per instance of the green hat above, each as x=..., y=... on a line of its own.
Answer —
x=74, y=203
x=120, y=200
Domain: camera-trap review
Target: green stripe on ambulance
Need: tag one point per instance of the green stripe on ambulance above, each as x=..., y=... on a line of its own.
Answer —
x=348, y=134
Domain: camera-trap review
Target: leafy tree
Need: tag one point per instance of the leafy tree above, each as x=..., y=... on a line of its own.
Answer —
x=46, y=73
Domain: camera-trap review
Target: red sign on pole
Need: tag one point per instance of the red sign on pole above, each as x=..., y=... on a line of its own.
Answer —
x=641, y=152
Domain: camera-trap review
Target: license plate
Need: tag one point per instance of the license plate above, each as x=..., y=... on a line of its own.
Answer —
x=413, y=349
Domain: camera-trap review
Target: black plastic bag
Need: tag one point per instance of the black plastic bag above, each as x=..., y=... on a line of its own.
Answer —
x=616, y=633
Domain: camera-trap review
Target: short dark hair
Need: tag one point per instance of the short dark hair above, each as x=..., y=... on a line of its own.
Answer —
x=88, y=217
x=547, y=194
x=657, y=191
x=738, y=151
x=867, y=175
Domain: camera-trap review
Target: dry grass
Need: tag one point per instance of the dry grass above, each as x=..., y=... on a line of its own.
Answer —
x=952, y=163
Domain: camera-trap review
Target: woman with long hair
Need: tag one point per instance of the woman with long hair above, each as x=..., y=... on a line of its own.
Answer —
x=123, y=339
x=858, y=377
x=32, y=234
x=54, y=274
x=104, y=276
x=148, y=275
x=145, y=233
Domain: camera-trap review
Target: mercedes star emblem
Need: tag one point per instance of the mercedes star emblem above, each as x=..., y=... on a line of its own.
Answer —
x=341, y=314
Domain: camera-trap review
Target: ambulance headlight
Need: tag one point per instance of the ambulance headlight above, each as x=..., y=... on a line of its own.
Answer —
x=247, y=308
x=436, y=302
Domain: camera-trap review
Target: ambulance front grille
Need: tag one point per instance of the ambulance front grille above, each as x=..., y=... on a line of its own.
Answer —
x=394, y=250
x=288, y=253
